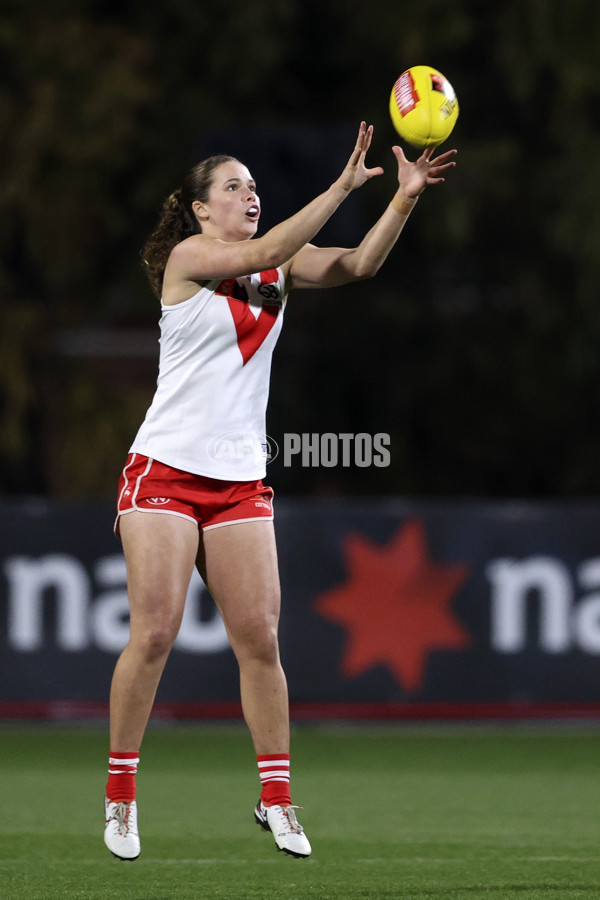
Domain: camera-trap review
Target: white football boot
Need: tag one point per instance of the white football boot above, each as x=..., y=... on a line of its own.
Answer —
x=121, y=829
x=281, y=821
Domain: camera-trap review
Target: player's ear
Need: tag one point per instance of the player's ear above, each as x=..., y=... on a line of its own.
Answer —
x=200, y=210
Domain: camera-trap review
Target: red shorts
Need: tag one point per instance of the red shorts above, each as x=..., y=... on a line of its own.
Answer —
x=150, y=486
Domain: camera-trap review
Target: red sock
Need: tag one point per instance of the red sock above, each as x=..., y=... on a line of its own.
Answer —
x=122, y=767
x=274, y=771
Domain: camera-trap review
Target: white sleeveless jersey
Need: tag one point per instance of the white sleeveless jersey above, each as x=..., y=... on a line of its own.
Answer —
x=208, y=413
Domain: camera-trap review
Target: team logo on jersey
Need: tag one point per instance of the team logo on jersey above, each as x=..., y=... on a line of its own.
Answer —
x=251, y=331
x=271, y=294
x=253, y=319
x=268, y=289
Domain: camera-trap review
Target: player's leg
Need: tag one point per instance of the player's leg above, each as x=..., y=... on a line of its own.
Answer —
x=160, y=551
x=239, y=564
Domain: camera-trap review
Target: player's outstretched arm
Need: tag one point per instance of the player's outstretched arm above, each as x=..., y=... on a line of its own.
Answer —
x=202, y=257
x=330, y=266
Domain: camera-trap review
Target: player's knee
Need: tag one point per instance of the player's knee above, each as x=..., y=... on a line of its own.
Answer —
x=258, y=641
x=156, y=639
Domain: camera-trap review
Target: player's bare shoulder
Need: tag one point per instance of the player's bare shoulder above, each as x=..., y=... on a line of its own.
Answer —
x=188, y=268
x=188, y=250
x=184, y=274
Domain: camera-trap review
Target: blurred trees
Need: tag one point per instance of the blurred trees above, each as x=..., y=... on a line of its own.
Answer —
x=72, y=96
x=475, y=347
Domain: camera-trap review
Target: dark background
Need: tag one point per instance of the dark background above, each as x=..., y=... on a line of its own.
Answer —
x=475, y=348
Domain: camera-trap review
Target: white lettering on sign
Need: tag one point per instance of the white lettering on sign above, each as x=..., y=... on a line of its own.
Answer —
x=563, y=623
x=536, y=601
x=91, y=611
x=29, y=579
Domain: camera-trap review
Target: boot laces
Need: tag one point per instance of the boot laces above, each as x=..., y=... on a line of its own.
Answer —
x=121, y=816
x=290, y=822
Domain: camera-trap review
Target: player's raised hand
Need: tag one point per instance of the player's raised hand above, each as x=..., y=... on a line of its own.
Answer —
x=427, y=169
x=356, y=172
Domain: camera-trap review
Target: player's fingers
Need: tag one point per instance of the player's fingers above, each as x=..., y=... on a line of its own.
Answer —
x=360, y=140
x=443, y=168
x=444, y=156
x=358, y=147
x=368, y=138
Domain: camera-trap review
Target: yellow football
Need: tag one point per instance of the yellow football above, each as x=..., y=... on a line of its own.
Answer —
x=423, y=107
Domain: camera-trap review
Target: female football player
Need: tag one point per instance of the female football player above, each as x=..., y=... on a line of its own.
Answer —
x=191, y=492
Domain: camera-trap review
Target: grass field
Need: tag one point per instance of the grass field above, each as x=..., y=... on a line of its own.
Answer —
x=391, y=812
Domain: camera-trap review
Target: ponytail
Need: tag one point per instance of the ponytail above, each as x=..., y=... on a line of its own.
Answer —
x=177, y=220
x=175, y=224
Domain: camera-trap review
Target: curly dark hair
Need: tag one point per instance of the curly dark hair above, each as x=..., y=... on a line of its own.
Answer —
x=177, y=220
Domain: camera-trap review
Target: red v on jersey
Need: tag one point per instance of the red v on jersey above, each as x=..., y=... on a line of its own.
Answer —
x=251, y=331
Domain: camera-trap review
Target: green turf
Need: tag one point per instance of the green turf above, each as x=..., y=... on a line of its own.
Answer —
x=391, y=812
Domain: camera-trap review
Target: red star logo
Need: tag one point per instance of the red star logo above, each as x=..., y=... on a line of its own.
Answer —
x=395, y=606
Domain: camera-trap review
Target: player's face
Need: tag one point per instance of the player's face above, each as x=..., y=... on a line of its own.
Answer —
x=233, y=207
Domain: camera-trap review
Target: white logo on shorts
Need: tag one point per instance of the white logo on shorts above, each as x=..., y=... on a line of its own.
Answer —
x=159, y=501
